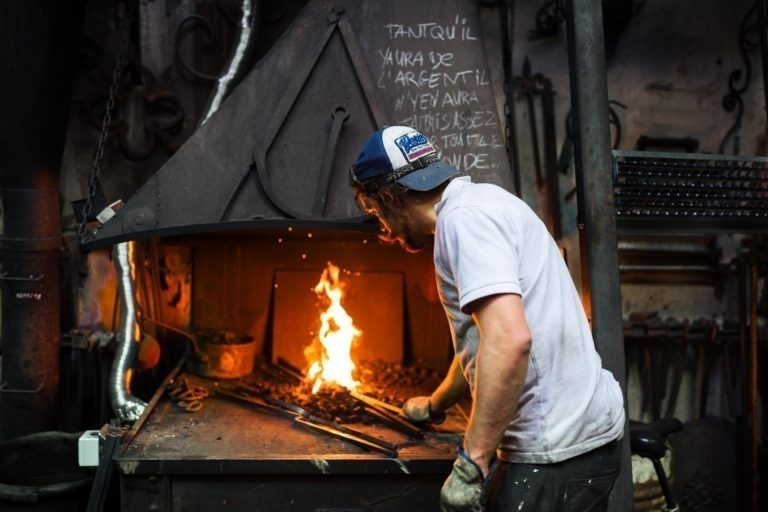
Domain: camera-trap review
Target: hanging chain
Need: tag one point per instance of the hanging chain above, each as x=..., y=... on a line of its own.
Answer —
x=117, y=71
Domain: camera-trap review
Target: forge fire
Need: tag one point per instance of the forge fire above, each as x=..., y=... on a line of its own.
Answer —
x=330, y=354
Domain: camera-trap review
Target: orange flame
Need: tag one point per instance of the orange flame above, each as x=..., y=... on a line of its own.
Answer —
x=337, y=333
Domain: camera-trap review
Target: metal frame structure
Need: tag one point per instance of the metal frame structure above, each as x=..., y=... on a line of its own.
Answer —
x=597, y=219
x=718, y=195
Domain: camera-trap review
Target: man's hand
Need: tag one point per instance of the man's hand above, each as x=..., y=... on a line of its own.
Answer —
x=463, y=491
x=419, y=410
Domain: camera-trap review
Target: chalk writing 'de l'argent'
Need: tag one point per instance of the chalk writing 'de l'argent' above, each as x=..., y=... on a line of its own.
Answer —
x=431, y=79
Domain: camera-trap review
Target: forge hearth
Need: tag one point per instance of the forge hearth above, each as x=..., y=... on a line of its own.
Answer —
x=233, y=457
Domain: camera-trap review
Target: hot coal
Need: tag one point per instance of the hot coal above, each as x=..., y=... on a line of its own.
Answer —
x=388, y=382
x=394, y=383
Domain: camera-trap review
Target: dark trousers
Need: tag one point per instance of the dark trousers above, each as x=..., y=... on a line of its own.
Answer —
x=582, y=483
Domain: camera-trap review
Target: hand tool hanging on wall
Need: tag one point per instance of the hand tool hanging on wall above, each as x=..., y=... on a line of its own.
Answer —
x=510, y=118
x=566, y=150
x=726, y=338
x=339, y=117
x=530, y=86
x=703, y=372
x=526, y=88
x=678, y=337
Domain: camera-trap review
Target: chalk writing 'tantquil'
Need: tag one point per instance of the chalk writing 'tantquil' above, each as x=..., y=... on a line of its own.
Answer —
x=460, y=30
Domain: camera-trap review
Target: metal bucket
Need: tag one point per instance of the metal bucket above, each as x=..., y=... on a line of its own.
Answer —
x=40, y=472
x=222, y=355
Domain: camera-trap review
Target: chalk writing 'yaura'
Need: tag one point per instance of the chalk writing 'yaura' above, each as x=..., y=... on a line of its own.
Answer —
x=409, y=59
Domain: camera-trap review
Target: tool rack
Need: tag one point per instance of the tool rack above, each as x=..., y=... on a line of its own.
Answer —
x=684, y=194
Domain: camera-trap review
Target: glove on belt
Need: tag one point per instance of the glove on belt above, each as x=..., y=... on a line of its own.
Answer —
x=463, y=491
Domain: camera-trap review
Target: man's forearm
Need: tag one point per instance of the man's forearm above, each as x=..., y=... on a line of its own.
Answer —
x=500, y=375
x=452, y=389
x=501, y=365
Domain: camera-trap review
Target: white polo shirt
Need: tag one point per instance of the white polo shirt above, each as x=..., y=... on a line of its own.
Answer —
x=487, y=242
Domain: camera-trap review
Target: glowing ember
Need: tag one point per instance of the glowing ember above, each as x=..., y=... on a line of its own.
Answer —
x=330, y=358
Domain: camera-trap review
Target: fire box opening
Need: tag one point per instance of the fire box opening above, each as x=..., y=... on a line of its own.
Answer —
x=319, y=313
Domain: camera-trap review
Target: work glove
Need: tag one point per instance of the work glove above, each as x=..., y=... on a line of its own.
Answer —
x=418, y=410
x=463, y=491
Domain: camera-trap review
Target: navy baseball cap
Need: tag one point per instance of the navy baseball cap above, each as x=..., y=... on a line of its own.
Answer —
x=403, y=155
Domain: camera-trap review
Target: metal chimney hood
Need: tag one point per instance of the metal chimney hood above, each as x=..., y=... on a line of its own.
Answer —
x=277, y=151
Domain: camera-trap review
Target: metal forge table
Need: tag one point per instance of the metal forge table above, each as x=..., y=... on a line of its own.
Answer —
x=231, y=457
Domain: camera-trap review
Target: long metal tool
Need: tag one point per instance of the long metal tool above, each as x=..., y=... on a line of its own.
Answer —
x=354, y=439
x=552, y=178
x=369, y=400
x=299, y=410
x=273, y=405
x=289, y=369
x=526, y=84
x=258, y=404
x=339, y=116
x=394, y=420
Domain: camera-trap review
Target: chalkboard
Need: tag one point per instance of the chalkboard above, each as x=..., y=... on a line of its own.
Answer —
x=429, y=65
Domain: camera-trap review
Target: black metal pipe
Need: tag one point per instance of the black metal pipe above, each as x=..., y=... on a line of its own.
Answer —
x=597, y=223
x=751, y=411
x=763, y=13
x=38, y=49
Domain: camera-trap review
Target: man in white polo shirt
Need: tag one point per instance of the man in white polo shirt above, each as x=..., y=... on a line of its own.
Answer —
x=546, y=417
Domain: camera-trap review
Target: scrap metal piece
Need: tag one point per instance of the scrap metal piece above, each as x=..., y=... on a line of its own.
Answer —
x=187, y=396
